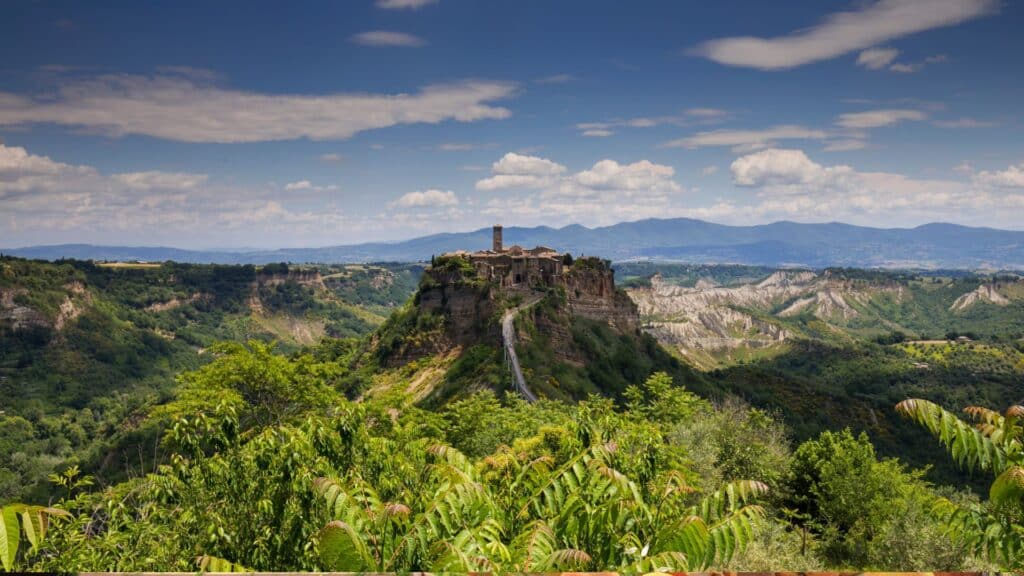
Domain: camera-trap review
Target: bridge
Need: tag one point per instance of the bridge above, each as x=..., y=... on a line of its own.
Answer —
x=508, y=337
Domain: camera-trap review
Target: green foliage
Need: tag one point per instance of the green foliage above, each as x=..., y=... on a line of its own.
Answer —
x=23, y=522
x=818, y=386
x=268, y=388
x=76, y=386
x=866, y=512
x=994, y=445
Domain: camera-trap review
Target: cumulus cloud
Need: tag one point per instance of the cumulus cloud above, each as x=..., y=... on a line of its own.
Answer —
x=608, y=191
x=877, y=58
x=521, y=171
x=404, y=4
x=844, y=32
x=782, y=167
x=388, y=38
x=431, y=198
x=878, y=118
x=642, y=176
x=746, y=140
x=709, y=170
x=789, y=184
x=190, y=110
x=1012, y=177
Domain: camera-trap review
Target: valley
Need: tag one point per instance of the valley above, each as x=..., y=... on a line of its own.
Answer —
x=96, y=357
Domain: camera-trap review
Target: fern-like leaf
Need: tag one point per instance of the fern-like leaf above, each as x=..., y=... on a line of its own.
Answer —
x=342, y=549
x=970, y=447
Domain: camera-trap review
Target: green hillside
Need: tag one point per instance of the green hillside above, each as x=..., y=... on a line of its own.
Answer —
x=84, y=347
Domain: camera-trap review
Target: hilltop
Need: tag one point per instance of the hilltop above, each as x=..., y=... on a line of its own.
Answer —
x=576, y=332
x=930, y=246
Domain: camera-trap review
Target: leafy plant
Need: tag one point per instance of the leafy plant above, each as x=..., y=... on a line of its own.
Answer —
x=21, y=521
x=993, y=445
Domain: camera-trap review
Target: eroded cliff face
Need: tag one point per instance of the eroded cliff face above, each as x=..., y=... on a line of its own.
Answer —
x=466, y=309
x=709, y=319
x=591, y=293
x=15, y=315
x=457, y=308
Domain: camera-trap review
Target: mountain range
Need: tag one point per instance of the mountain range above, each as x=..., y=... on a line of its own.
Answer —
x=784, y=243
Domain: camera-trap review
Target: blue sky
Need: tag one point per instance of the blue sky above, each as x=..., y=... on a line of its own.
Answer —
x=256, y=124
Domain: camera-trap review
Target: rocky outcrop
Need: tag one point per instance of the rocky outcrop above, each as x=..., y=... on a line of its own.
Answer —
x=176, y=302
x=984, y=293
x=591, y=293
x=467, y=310
x=15, y=315
x=18, y=316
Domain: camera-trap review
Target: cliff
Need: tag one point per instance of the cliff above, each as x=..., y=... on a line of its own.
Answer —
x=576, y=335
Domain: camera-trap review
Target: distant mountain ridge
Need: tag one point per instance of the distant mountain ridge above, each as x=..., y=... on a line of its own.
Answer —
x=783, y=243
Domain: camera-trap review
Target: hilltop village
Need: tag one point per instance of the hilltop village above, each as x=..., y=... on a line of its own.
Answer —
x=588, y=282
x=464, y=294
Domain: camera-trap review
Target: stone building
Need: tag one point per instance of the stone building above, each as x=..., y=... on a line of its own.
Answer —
x=515, y=266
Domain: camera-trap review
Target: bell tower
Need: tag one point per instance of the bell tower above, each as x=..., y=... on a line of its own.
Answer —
x=496, y=239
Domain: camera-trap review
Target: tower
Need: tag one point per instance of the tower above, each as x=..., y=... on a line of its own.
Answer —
x=496, y=242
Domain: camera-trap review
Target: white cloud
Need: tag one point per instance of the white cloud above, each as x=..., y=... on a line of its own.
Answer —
x=184, y=109
x=44, y=201
x=404, y=4
x=908, y=68
x=607, y=192
x=782, y=167
x=788, y=184
x=746, y=140
x=709, y=170
x=461, y=146
x=555, y=79
x=964, y=123
x=878, y=118
x=706, y=112
x=521, y=171
x=1012, y=177
x=159, y=180
x=964, y=168
x=845, y=145
x=688, y=117
x=332, y=158
x=388, y=38
x=426, y=199
x=307, y=186
x=643, y=176
x=300, y=185
x=877, y=58
x=844, y=32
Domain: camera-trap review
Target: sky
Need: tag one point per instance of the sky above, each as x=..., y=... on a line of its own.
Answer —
x=250, y=124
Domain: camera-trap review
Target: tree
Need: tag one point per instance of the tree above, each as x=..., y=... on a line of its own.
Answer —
x=994, y=445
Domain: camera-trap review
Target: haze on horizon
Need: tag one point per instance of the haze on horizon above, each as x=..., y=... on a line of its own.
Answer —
x=253, y=125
